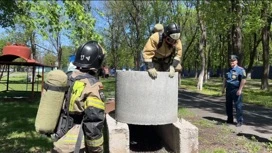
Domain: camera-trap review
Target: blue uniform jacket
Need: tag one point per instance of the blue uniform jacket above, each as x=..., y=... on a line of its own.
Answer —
x=234, y=77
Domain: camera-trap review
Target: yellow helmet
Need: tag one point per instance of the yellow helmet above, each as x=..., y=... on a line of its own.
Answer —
x=158, y=28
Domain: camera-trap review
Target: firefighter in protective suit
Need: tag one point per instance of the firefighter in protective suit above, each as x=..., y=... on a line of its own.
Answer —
x=164, y=57
x=86, y=105
x=157, y=28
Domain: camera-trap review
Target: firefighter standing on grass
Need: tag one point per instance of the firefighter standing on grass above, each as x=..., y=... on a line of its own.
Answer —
x=167, y=55
x=86, y=105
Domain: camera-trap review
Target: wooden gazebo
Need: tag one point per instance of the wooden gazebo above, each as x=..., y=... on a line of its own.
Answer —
x=12, y=52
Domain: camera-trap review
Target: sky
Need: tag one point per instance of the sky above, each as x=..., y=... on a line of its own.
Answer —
x=100, y=25
x=100, y=22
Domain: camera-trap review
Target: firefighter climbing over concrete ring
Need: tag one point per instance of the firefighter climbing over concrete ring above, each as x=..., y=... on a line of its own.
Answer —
x=164, y=56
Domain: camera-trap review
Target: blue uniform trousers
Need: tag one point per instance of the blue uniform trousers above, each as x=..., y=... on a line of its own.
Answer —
x=231, y=98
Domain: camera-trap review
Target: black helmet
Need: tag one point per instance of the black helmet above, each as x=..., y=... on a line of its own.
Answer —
x=89, y=55
x=172, y=33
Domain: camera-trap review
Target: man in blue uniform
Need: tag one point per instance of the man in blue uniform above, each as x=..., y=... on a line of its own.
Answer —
x=235, y=81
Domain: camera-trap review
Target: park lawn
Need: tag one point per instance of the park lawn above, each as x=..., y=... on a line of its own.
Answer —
x=251, y=92
x=18, y=113
x=17, y=128
x=18, y=82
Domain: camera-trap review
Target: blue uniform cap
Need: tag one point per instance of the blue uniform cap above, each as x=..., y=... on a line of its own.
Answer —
x=233, y=57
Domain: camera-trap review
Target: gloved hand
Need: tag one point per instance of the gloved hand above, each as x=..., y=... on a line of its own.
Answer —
x=171, y=71
x=152, y=72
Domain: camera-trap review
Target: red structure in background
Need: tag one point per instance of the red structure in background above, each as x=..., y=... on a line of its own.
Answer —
x=12, y=52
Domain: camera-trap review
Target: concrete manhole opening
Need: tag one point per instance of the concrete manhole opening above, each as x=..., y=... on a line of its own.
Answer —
x=145, y=138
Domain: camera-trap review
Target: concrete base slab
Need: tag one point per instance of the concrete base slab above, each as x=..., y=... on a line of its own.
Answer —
x=181, y=136
x=118, y=134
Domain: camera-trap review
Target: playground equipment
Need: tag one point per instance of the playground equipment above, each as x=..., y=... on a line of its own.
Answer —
x=12, y=52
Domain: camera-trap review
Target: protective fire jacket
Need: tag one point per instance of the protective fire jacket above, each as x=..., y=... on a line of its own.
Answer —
x=87, y=98
x=150, y=50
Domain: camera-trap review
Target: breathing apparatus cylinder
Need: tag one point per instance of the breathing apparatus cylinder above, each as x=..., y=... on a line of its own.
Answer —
x=51, y=102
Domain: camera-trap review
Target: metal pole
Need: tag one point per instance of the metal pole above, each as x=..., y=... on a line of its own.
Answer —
x=33, y=75
x=8, y=78
x=42, y=77
x=38, y=79
x=27, y=78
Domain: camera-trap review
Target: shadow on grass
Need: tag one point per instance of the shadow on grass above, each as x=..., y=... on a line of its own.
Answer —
x=259, y=117
x=253, y=84
x=252, y=137
x=17, y=128
x=20, y=81
x=26, y=145
x=19, y=93
x=218, y=120
x=258, y=97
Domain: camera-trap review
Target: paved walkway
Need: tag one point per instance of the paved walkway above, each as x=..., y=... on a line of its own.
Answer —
x=257, y=119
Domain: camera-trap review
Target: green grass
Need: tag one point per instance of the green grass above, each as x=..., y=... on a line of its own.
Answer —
x=251, y=93
x=216, y=150
x=17, y=128
x=18, y=82
x=213, y=87
x=18, y=113
x=253, y=146
x=109, y=87
x=183, y=113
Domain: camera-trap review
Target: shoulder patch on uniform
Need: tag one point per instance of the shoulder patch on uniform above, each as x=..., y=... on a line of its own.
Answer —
x=244, y=72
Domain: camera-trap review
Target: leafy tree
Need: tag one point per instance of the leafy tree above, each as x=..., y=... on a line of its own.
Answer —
x=267, y=18
x=8, y=10
x=67, y=51
x=52, y=19
x=3, y=42
x=49, y=59
x=81, y=24
x=202, y=45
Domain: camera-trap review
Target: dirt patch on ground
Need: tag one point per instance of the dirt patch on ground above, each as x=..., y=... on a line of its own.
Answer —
x=216, y=137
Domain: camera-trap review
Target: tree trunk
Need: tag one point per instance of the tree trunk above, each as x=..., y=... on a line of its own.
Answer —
x=265, y=43
x=207, y=66
x=237, y=34
x=202, y=46
x=33, y=46
x=136, y=19
x=230, y=48
x=253, y=54
x=59, y=57
x=202, y=55
x=196, y=71
x=222, y=62
x=188, y=46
